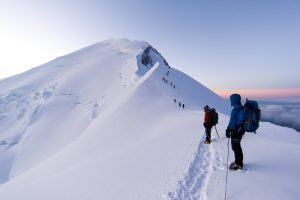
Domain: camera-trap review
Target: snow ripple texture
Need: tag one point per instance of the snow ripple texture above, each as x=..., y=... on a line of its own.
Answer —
x=194, y=184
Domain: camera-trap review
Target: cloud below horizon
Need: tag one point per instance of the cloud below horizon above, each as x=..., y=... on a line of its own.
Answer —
x=280, y=115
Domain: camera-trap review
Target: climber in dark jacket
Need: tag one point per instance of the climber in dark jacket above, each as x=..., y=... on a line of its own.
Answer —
x=207, y=124
x=235, y=130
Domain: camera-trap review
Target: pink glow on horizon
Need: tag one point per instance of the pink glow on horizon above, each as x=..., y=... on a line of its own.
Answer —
x=261, y=93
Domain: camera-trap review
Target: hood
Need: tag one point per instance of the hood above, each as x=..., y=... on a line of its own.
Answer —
x=235, y=100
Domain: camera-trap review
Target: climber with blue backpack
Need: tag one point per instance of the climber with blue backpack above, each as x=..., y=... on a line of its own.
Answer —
x=235, y=130
x=242, y=119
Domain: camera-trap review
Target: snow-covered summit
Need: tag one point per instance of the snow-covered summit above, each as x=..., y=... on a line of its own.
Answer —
x=48, y=107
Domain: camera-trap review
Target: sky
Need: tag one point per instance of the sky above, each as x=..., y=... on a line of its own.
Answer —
x=251, y=47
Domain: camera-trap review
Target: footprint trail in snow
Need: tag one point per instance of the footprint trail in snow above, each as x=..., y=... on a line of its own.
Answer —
x=195, y=183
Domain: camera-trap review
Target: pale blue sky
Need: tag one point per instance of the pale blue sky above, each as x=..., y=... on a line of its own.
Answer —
x=219, y=43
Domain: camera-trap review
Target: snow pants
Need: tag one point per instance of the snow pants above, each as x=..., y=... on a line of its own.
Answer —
x=208, y=132
x=238, y=152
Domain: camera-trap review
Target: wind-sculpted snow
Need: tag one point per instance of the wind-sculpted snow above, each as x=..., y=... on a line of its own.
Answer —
x=22, y=116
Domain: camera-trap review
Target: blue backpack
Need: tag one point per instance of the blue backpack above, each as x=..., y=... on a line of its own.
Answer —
x=251, y=116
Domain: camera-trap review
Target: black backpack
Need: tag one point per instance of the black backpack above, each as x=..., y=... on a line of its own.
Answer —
x=251, y=116
x=214, y=116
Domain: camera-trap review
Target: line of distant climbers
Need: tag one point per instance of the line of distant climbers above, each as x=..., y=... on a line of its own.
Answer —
x=179, y=104
x=166, y=81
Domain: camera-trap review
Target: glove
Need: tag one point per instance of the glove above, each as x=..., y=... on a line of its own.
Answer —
x=204, y=124
x=228, y=133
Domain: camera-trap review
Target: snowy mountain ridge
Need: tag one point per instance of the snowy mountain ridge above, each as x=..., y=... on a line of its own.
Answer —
x=102, y=123
x=92, y=77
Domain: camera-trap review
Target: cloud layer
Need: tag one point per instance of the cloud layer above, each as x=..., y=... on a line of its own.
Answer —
x=283, y=116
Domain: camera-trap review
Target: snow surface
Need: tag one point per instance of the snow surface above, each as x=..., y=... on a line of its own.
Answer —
x=101, y=123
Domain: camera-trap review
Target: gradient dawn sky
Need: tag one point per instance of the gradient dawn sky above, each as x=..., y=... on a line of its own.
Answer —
x=251, y=47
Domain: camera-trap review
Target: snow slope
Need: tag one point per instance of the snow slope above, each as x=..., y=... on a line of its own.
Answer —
x=101, y=123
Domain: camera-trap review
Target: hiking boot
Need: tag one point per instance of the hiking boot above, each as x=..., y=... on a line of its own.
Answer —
x=207, y=141
x=234, y=166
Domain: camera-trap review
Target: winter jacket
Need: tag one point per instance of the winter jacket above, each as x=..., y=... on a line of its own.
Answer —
x=207, y=117
x=237, y=112
x=236, y=117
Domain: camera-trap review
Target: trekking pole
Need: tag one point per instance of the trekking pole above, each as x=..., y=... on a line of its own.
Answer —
x=227, y=170
x=217, y=132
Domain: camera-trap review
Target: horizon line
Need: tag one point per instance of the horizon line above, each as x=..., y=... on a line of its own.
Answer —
x=260, y=92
